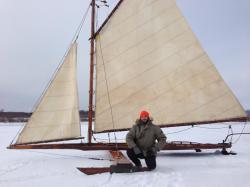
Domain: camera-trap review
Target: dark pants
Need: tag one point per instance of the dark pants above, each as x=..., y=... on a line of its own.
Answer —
x=150, y=160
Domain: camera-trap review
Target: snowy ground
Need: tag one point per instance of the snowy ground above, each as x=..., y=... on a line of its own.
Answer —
x=28, y=168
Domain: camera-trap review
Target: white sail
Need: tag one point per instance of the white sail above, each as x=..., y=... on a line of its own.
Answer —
x=147, y=58
x=57, y=114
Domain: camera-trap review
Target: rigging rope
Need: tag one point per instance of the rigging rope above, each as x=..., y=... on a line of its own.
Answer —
x=212, y=128
x=195, y=126
x=74, y=156
x=111, y=109
x=107, y=87
x=180, y=131
x=233, y=134
x=230, y=134
x=105, y=139
x=97, y=25
x=240, y=134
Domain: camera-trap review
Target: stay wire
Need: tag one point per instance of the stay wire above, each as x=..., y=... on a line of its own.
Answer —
x=240, y=134
x=234, y=134
x=81, y=23
x=18, y=132
x=74, y=39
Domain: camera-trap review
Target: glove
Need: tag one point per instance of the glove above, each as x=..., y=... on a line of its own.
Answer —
x=156, y=148
x=136, y=150
x=152, y=152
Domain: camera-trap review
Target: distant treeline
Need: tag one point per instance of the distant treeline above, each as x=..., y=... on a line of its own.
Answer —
x=24, y=116
x=248, y=112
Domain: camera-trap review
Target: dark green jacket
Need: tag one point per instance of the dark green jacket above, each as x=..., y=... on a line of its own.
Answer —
x=144, y=136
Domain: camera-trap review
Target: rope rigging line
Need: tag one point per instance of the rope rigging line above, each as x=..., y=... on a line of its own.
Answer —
x=176, y=132
x=65, y=156
x=105, y=139
x=81, y=23
x=196, y=126
x=107, y=86
x=230, y=134
x=240, y=133
x=97, y=26
x=245, y=133
x=233, y=134
x=211, y=128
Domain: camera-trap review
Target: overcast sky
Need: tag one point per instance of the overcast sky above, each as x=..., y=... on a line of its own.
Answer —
x=34, y=35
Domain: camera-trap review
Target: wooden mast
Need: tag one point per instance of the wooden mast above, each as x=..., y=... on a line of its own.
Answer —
x=91, y=74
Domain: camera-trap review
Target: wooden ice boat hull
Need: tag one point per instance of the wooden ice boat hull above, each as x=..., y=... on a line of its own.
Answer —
x=121, y=146
x=122, y=165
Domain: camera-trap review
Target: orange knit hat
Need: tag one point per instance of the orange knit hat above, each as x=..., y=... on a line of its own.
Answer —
x=144, y=114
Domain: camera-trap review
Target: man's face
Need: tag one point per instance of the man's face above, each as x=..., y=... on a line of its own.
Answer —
x=144, y=119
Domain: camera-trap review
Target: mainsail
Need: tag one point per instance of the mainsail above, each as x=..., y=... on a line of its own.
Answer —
x=148, y=58
x=57, y=115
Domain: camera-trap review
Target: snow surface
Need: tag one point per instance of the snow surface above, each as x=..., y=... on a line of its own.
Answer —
x=40, y=168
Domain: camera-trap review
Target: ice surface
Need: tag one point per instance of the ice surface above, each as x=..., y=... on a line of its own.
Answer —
x=45, y=168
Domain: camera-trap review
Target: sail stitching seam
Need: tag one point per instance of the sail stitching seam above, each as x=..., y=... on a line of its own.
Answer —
x=149, y=37
x=180, y=100
x=152, y=51
x=143, y=24
x=154, y=66
x=164, y=76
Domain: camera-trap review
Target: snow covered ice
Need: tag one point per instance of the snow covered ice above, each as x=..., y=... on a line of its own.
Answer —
x=39, y=168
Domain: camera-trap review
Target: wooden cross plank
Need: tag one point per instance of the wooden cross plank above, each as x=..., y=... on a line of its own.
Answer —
x=119, y=157
x=121, y=165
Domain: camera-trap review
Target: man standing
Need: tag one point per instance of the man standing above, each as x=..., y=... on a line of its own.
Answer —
x=141, y=140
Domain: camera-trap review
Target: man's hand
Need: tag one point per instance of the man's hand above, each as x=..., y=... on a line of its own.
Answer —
x=136, y=150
